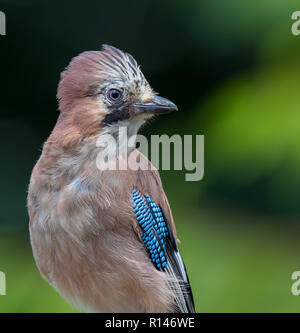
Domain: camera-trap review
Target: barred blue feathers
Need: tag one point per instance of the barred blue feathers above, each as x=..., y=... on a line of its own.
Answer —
x=154, y=227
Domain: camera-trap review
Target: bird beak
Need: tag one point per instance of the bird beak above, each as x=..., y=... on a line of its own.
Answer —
x=158, y=105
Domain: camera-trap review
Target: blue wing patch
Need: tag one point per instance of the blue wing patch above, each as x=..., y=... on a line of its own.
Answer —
x=154, y=227
x=161, y=246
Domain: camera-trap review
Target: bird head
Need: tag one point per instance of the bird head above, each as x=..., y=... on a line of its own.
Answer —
x=104, y=90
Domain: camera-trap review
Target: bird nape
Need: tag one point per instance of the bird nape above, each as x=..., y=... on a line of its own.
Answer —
x=105, y=238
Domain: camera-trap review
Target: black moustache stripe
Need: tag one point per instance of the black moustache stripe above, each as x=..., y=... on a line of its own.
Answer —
x=117, y=114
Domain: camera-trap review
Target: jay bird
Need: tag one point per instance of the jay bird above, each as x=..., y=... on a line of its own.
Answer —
x=105, y=239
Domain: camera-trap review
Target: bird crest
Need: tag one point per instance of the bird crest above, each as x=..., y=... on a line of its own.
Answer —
x=119, y=64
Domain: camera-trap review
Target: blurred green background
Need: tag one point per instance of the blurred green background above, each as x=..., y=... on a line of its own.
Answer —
x=232, y=67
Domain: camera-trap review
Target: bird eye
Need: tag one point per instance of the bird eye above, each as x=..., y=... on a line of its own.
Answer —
x=114, y=95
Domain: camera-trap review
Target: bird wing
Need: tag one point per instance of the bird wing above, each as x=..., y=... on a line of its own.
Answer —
x=161, y=246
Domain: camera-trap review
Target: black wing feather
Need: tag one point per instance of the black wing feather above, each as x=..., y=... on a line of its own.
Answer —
x=176, y=262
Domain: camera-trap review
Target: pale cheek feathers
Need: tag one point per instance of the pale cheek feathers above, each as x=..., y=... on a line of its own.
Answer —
x=146, y=95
